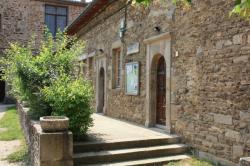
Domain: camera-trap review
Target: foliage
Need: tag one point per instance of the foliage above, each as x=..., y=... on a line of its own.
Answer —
x=242, y=8
x=20, y=155
x=184, y=3
x=33, y=73
x=71, y=99
x=190, y=162
x=10, y=122
x=28, y=70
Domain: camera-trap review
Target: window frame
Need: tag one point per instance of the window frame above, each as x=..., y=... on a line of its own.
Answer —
x=56, y=6
x=117, y=68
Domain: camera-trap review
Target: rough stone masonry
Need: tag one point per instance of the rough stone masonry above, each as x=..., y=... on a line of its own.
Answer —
x=22, y=19
x=209, y=78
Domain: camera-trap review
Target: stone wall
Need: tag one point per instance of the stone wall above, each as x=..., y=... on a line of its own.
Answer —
x=212, y=79
x=45, y=149
x=22, y=19
x=140, y=25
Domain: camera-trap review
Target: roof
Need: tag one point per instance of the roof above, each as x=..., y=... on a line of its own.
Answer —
x=66, y=2
x=88, y=14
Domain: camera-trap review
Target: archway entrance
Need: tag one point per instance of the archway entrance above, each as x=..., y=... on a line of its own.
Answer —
x=2, y=88
x=158, y=82
x=161, y=92
x=101, y=91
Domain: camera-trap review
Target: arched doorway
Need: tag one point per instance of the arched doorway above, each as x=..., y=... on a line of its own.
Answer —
x=2, y=88
x=161, y=92
x=101, y=91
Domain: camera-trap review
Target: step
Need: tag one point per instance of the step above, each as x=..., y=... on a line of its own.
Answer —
x=147, y=162
x=123, y=144
x=128, y=154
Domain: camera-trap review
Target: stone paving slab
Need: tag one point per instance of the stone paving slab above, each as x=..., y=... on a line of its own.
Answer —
x=107, y=129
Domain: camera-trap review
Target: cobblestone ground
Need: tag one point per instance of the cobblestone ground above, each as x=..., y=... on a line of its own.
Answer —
x=7, y=147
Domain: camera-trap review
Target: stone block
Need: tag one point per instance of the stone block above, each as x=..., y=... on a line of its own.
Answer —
x=212, y=138
x=56, y=147
x=237, y=39
x=228, y=43
x=219, y=44
x=241, y=59
x=238, y=151
x=245, y=116
x=232, y=134
x=223, y=119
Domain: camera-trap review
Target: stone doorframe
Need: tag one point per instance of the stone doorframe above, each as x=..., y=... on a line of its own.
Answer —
x=101, y=62
x=157, y=46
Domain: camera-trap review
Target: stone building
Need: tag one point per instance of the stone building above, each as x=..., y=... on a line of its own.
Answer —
x=22, y=19
x=186, y=71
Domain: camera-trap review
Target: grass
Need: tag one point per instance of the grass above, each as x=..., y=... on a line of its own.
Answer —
x=190, y=162
x=13, y=131
x=10, y=122
x=20, y=155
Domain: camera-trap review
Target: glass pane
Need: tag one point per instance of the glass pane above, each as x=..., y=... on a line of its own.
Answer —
x=50, y=21
x=61, y=11
x=50, y=9
x=61, y=22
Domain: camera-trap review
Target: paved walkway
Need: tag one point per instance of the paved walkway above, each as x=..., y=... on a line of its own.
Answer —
x=7, y=147
x=108, y=129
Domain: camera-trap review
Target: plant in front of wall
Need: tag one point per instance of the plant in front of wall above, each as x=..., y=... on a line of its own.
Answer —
x=72, y=98
x=30, y=71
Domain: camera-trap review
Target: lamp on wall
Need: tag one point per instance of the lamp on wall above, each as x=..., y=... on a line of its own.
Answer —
x=157, y=29
x=101, y=50
x=122, y=28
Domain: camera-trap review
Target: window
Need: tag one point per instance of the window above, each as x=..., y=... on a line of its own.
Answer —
x=117, y=68
x=56, y=18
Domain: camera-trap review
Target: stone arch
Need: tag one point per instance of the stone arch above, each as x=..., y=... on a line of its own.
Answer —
x=158, y=58
x=157, y=47
x=101, y=90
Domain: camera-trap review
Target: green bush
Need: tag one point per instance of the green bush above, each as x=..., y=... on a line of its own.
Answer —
x=31, y=70
x=72, y=99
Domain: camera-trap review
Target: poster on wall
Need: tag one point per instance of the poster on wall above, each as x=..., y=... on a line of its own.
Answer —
x=132, y=78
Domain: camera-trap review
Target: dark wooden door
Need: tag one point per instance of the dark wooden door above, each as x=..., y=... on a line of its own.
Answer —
x=2, y=88
x=161, y=92
x=101, y=91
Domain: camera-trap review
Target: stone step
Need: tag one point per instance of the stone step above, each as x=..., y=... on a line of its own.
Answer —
x=110, y=156
x=80, y=147
x=147, y=162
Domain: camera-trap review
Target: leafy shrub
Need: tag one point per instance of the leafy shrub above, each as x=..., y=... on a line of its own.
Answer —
x=72, y=99
x=30, y=71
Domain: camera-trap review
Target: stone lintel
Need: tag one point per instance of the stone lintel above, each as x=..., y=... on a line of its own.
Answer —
x=157, y=38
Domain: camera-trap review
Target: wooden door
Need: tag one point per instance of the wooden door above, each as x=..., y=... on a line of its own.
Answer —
x=101, y=91
x=2, y=88
x=161, y=92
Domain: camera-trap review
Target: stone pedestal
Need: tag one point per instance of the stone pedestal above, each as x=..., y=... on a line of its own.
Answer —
x=46, y=149
x=56, y=149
